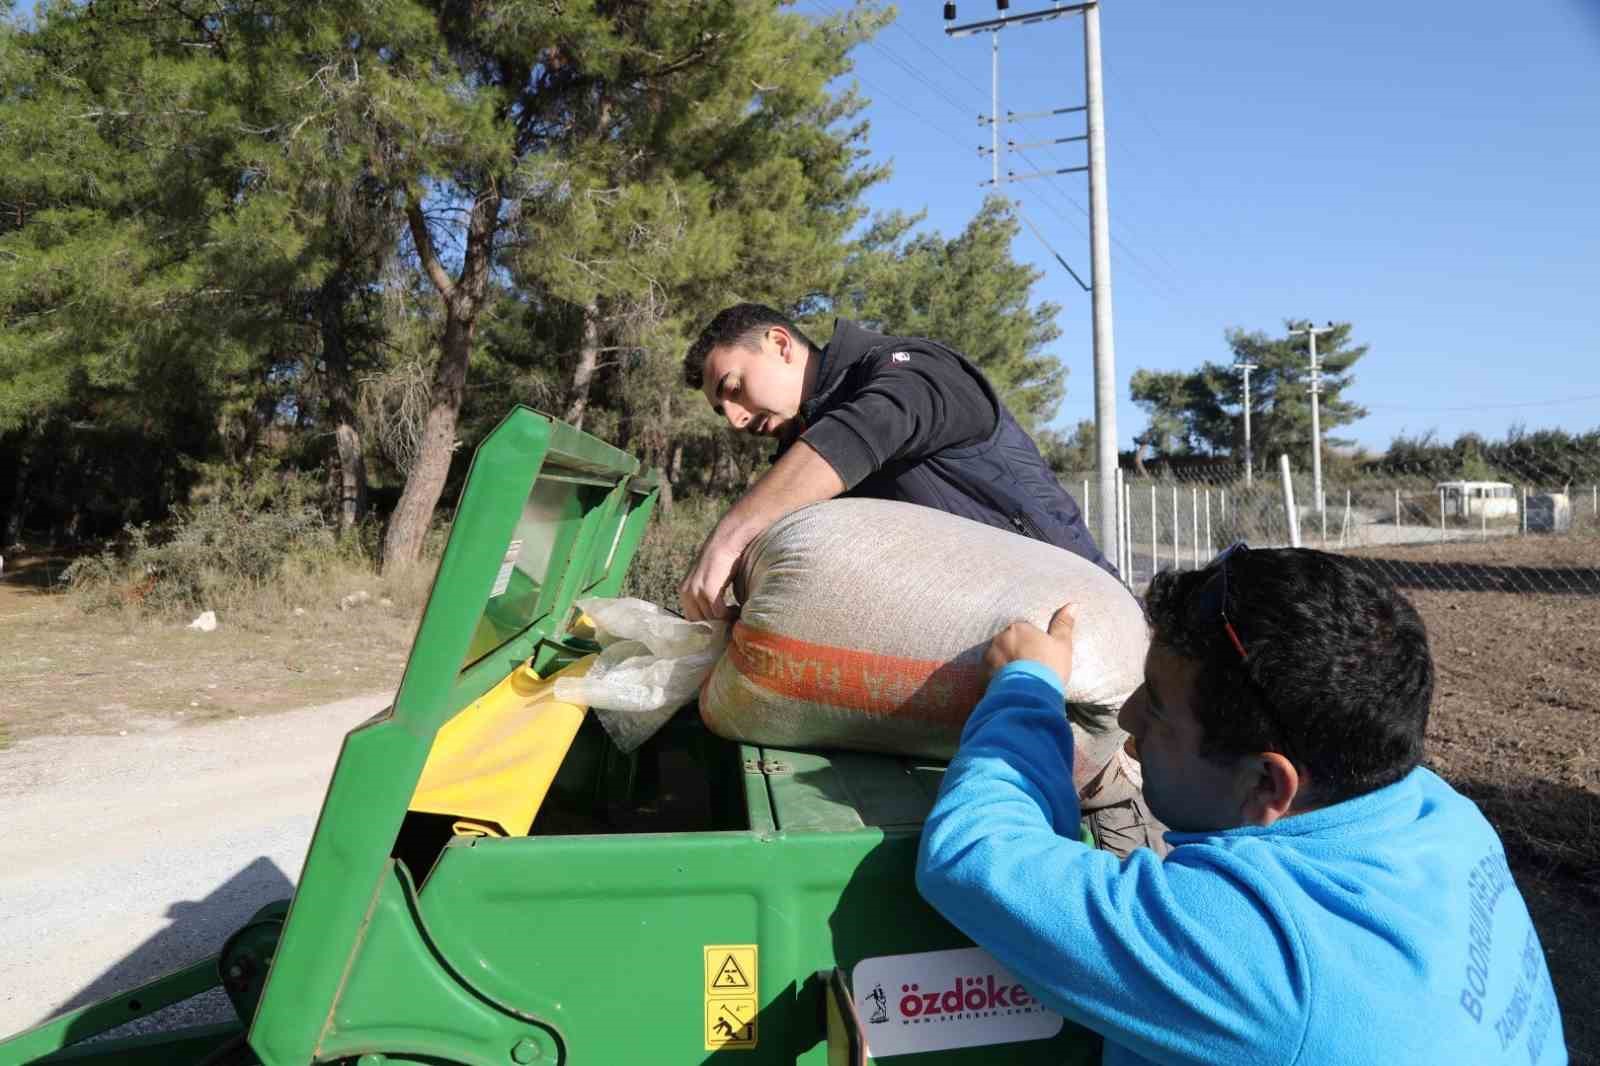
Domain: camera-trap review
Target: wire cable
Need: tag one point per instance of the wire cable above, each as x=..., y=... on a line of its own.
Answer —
x=1481, y=406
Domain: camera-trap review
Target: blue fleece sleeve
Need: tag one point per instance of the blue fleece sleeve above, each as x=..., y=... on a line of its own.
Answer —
x=1187, y=960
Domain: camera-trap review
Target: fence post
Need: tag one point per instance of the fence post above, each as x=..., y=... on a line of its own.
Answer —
x=1322, y=512
x=1127, y=527
x=1397, y=512
x=1211, y=546
x=1194, y=522
x=1116, y=551
x=1222, y=501
x=1289, y=511
x=1524, y=510
x=1483, y=521
x=1084, y=499
x=1155, y=526
x=1177, y=546
x=1345, y=525
x=1441, y=516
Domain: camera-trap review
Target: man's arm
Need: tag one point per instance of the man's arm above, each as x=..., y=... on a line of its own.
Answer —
x=800, y=477
x=1177, y=961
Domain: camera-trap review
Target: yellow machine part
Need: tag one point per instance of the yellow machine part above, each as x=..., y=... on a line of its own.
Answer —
x=491, y=765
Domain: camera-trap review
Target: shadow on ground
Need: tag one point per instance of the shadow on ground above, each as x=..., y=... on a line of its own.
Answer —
x=197, y=930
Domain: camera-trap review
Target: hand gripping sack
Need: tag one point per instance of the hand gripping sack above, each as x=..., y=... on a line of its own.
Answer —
x=863, y=626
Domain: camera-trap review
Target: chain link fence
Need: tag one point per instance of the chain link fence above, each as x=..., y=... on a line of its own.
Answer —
x=1531, y=530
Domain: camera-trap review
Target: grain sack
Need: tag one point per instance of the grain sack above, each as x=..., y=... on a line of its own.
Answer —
x=863, y=626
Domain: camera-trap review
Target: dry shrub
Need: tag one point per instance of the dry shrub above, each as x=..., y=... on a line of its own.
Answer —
x=668, y=549
x=247, y=543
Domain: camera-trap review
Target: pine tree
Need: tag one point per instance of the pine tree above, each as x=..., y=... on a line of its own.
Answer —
x=967, y=292
x=1198, y=412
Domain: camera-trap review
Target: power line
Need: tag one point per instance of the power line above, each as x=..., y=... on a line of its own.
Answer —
x=1132, y=256
x=1482, y=406
x=1035, y=231
x=955, y=105
x=939, y=58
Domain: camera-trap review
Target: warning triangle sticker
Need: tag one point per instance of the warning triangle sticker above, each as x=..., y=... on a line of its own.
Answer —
x=729, y=975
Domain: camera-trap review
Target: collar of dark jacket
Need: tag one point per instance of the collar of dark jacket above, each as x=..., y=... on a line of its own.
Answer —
x=849, y=344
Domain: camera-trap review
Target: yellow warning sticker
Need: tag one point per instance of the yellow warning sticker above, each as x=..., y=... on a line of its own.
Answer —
x=731, y=1024
x=732, y=997
x=730, y=969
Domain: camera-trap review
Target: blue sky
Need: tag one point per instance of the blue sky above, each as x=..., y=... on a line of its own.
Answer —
x=1427, y=171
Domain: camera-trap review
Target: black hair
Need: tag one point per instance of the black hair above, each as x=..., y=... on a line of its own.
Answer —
x=741, y=324
x=1337, y=674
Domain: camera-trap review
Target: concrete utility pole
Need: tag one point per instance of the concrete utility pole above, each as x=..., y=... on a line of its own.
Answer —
x=1105, y=381
x=1315, y=388
x=1249, y=461
x=994, y=105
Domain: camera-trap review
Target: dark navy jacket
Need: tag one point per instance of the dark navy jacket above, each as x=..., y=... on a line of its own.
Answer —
x=1001, y=481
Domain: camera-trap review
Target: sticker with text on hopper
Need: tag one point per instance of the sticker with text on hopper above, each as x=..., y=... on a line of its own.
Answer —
x=935, y=1000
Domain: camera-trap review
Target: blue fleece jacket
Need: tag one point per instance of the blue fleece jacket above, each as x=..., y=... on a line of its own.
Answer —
x=1385, y=929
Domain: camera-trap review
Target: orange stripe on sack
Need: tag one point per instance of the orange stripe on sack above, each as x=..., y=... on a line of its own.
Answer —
x=919, y=689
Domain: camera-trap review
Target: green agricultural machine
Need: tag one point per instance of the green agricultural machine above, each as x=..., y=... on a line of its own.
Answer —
x=492, y=882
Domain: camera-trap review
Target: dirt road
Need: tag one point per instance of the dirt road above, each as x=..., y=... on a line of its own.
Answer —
x=125, y=857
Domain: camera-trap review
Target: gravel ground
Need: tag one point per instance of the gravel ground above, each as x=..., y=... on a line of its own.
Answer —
x=132, y=856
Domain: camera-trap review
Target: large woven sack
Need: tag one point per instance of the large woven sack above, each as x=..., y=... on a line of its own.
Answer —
x=863, y=626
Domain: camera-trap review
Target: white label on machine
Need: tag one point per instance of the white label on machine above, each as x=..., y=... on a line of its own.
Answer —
x=502, y=580
x=934, y=1000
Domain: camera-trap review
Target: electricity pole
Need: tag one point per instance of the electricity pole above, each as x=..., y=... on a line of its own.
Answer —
x=1105, y=383
x=1315, y=388
x=1249, y=459
x=1105, y=379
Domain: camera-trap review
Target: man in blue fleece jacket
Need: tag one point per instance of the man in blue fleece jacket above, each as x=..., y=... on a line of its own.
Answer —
x=1327, y=900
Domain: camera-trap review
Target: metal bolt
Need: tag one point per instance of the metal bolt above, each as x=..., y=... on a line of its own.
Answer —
x=525, y=1051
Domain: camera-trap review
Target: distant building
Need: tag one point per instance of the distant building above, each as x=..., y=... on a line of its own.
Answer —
x=1472, y=499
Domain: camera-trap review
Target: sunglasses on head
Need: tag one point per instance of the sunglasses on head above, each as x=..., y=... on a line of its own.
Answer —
x=1209, y=607
x=1210, y=603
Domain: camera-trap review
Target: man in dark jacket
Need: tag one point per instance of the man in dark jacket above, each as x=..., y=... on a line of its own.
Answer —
x=895, y=418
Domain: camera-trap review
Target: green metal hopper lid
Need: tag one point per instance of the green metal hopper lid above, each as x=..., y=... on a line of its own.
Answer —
x=547, y=514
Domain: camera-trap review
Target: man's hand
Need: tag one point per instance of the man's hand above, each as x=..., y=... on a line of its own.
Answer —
x=800, y=477
x=1020, y=641
x=701, y=593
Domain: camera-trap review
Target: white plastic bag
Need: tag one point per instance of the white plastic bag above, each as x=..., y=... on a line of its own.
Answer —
x=651, y=664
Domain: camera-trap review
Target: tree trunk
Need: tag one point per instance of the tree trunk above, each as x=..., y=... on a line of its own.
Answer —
x=675, y=467
x=408, y=526
x=583, y=376
x=589, y=351
x=463, y=300
x=668, y=453
x=352, y=462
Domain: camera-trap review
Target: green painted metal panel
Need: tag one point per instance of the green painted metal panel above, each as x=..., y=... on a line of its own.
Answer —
x=67, y=1029
x=602, y=937
x=397, y=999
x=381, y=761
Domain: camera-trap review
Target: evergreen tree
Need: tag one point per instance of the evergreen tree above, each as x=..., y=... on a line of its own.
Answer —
x=967, y=292
x=1199, y=412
